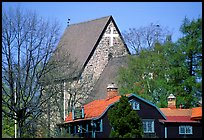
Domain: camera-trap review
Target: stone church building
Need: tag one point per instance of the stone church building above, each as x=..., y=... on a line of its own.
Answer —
x=99, y=50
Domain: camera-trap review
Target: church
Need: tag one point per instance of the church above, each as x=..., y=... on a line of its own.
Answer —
x=97, y=50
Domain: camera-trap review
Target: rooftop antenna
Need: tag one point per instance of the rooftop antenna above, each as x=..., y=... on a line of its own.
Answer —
x=68, y=21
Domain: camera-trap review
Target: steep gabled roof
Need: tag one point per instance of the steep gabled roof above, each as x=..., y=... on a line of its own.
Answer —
x=96, y=109
x=81, y=39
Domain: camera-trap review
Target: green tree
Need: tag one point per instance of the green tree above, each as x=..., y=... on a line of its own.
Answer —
x=187, y=67
x=147, y=75
x=7, y=126
x=124, y=121
x=168, y=68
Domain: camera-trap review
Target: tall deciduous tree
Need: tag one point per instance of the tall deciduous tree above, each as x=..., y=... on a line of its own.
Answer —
x=141, y=38
x=124, y=120
x=28, y=41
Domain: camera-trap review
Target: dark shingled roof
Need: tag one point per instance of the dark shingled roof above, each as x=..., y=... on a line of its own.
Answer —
x=80, y=39
x=108, y=76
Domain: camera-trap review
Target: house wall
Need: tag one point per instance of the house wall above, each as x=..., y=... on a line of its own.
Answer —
x=149, y=112
x=106, y=128
x=173, y=130
x=146, y=112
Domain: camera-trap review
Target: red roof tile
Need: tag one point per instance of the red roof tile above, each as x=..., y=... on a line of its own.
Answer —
x=196, y=113
x=94, y=109
x=182, y=115
x=178, y=119
x=176, y=112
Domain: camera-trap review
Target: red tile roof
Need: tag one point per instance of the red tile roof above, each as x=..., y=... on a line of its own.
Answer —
x=182, y=115
x=94, y=109
x=196, y=113
x=176, y=112
x=178, y=119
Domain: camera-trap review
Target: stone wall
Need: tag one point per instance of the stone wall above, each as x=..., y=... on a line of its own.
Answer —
x=103, y=53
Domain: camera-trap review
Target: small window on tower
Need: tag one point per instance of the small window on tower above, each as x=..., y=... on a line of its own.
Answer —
x=110, y=55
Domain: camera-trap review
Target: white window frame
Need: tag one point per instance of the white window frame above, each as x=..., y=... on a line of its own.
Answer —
x=145, y=123
x=186, y=128
x=100, y=125
x=135, y=105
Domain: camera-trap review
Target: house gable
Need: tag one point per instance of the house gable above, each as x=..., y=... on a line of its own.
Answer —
x=146, y=103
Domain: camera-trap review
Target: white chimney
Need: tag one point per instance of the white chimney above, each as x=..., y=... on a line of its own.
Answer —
x=171, y=101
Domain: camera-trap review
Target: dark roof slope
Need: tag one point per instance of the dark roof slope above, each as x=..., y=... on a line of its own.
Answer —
x=108, y=76
x=79, y=39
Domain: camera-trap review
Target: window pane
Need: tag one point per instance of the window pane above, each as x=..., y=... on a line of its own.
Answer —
x=148, y=126
x=135, y=105
x=185, y=129
x=188, y=129
x=182, y=130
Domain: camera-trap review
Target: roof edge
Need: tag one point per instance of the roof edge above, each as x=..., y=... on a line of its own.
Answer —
x=91, y=20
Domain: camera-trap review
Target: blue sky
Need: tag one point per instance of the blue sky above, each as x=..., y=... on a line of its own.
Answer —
x=126, y=14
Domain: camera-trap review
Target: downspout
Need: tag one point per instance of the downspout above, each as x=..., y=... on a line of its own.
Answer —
x=64, y=101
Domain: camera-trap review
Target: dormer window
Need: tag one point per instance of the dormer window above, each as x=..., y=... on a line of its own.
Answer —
x=135, y=105
x=78, y=113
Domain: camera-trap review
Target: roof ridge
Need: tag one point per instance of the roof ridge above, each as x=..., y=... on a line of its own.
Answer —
x=90, y=20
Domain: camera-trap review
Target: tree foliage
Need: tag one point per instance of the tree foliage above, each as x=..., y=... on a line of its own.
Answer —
x=124, y=120
x=168, y=68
